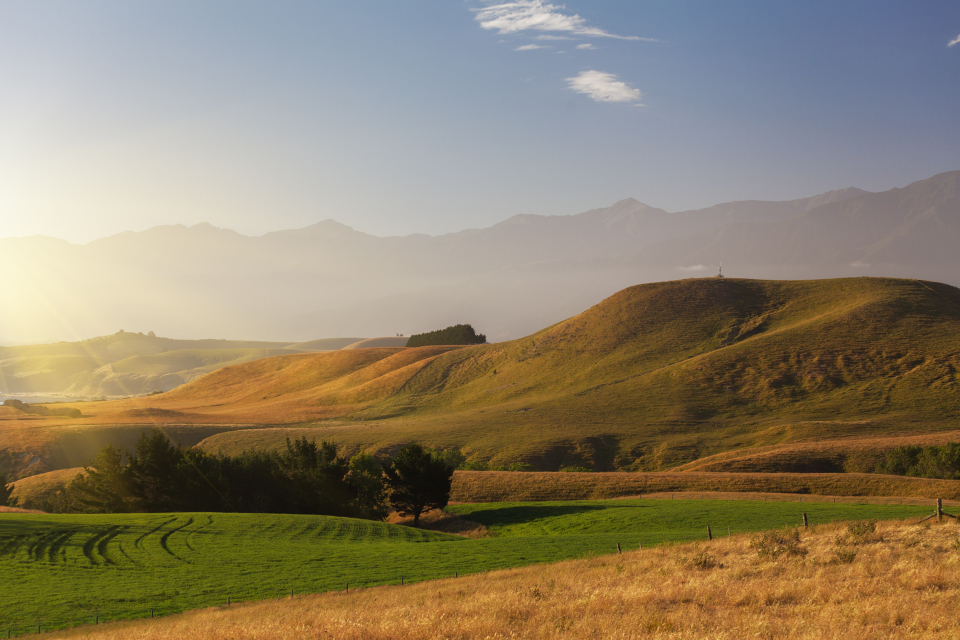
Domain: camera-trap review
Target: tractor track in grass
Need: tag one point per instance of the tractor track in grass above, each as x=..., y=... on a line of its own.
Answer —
x=103, y=544
x=165, y=539
x=57, y=544
x=138, y=543
x=10, y=545
x=196, y=531
x=95, y=547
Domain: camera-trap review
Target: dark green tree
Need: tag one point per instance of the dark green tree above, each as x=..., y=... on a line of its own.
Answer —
x=418, y=482
x=154, y=473
x=367, y=480
x=457, y=334
x=107, y=486
x=5, y=490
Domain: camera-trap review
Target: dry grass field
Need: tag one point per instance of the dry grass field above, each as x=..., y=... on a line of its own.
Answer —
x=32, y=488
x=851, y=581
x=515, y=486
x=853, y=455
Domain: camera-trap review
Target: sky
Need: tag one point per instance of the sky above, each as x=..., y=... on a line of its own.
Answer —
x=437, y=116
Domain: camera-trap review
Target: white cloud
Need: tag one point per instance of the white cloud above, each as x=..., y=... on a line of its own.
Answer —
x=536, y=15
x=954, y=41
x=603, y=87
x=529, y=47
x=547, y=37
x=585, y=45
x=696, y=267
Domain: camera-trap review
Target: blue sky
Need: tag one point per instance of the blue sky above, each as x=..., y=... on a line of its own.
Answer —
x=404, y=117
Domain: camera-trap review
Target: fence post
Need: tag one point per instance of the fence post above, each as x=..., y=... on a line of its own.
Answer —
x=291, y=593
x=228, y=601
x=804, y=519
x=401, y=581
x=709, y=533
x=618, y=547
x=97, y=619
x=939, y=509
x=151, y=613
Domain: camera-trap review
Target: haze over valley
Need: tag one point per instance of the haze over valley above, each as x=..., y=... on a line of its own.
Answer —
x=527, y=272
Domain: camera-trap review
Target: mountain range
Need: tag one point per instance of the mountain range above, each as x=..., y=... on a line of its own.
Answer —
x=508, y=280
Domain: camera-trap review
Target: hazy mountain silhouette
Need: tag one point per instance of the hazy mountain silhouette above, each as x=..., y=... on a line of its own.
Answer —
x=507, y=280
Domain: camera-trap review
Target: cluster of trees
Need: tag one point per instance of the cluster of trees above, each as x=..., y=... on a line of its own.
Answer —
x=923, y=462
x=5, y=490
x=457, y=334
x=305, y=478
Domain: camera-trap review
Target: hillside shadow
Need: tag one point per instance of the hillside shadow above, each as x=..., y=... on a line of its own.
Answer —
x=529, y=513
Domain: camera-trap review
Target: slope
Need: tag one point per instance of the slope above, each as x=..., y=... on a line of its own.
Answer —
x=653, y=377
x=126, y=363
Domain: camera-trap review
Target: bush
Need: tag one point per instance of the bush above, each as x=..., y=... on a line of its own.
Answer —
x=862, y=531
x=770, y=545
x=457, y=334
x=941, y=462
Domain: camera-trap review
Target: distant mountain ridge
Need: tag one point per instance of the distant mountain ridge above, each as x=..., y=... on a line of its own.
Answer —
x=508, y=280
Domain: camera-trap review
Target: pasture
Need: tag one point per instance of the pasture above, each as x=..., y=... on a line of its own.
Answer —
x=65, y=570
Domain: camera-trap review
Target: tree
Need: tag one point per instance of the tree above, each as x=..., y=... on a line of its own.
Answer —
x=419, y=482
x=366, y=479
x=457, y=334
x=5, y=490
x=107, y=487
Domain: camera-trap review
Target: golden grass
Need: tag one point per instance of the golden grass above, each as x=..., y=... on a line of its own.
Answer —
x=18, y=510
x=510, y=486
x=32, y=488
x=901, y=580
x=856, y=455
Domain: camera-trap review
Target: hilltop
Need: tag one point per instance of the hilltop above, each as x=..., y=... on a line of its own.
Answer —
x=510, y=279
x=653, y=377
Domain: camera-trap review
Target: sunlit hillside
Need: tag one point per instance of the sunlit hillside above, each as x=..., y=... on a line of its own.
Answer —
x=127, y=363
x=655, y=376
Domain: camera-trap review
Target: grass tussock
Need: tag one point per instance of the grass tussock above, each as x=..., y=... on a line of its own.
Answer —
x=901, y=582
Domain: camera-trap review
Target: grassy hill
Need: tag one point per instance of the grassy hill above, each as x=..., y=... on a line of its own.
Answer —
x=125, y=363
x=64, y=570
x=653, y=377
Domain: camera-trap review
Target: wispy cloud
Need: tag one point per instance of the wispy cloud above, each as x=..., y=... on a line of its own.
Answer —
x=954, y=41
x=537, y=15
x=530, y=47
x=549, y=37
x=585, y=45
x=603, y=87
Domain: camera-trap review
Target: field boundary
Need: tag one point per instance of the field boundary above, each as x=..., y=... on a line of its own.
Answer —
x=520, y=486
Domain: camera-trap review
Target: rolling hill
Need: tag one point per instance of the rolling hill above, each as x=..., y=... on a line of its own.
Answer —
x=125, y=364
x=656, y=376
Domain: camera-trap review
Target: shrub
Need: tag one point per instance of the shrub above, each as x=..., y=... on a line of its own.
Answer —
x=770, y=545
x=862, y=531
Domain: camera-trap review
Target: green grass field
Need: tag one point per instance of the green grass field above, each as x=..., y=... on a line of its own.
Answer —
x=63, y=570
